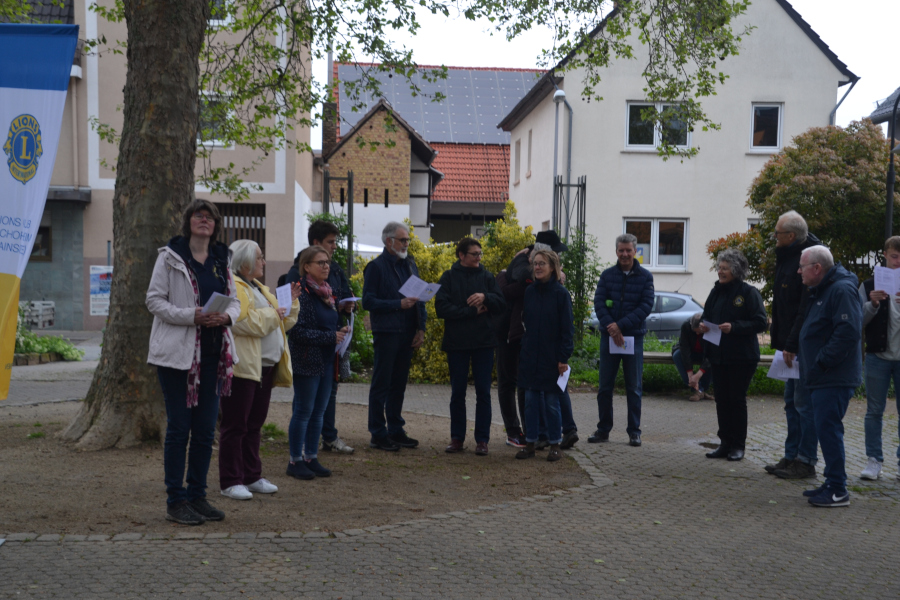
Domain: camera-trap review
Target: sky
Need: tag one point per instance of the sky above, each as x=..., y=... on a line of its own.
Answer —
x=861, y=36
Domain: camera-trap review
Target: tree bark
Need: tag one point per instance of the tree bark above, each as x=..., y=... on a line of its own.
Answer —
x=154, y=182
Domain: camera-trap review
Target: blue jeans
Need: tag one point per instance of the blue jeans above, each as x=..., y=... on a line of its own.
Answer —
x=482, y=361
x=544, y=405
x=310, y=399
x=829, y=407
x=329, y=431
x=801, y=442
x=565, y=413
x=182, y=423
x=633, y=370
x=879, y=373
x=679, y=366
x=393, y=354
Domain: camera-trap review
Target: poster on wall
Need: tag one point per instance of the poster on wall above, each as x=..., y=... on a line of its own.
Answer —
x=101, y=279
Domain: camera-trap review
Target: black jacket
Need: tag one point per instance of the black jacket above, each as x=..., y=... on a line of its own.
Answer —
x=741, y=305
x=624, y=300
x=382, y=279
x=789, y=296
x=508, y=326
x=877, y=328
x=464, y=328
x=549, y=335
x=686, y=343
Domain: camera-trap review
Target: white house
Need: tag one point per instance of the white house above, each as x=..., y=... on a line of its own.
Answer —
x=784, y=81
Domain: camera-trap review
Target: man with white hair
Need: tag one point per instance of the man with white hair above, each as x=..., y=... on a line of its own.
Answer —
x=831, y=362
x=398, y=328
x=789, y=297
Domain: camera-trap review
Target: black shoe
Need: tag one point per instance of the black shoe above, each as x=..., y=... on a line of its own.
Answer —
x=526, y=452
x=736, y=454
x=568, y=440
x=206, y=510
x=796, y=470
x=403, y=440
x=184, y=513
x=542, y=445
x=383, y=443
x=299, y=470
x=598, y=437
x=784, y=463
x=634, y=439
x=720, y=452
x=317, y=469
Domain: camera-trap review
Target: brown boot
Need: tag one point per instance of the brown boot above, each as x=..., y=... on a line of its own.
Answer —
x=555, y=453
x=527, y=451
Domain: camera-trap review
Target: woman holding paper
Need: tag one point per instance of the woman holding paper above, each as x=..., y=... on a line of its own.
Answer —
x=312, y=341
x=737, y=309
x=193, y=351
x=546, y=348
x=261, y=342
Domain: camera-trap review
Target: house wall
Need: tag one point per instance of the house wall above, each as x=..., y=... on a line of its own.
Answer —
x=778, y=63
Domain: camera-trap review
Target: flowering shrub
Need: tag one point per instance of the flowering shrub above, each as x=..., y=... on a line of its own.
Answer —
x=27, y=342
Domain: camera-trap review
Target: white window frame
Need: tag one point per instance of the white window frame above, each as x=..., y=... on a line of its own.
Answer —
x=213, y=143
x=216, y=23
x=652, y=264
x=751, y=222
x=767, y=149
x=657, y=132
x=517, y=162
x=528, y=170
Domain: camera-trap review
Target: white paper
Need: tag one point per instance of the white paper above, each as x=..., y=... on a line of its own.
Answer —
x=345, y=344
x=714, y=335
x=217, y=303
x=416, y=288
x=283, y=294
x=887, y=280
x=780, y=370
x=628, y=348
x=350, y=299
x=563, y=380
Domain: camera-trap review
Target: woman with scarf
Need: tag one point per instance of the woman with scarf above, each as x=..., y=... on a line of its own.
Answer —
x=312, y=341
x=259, y=335
x=193, y=352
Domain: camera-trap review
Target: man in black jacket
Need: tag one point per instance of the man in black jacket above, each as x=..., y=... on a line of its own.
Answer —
x=468, y=298
x=789, y=298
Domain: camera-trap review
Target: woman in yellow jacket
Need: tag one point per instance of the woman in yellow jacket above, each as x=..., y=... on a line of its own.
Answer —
x=265, y=361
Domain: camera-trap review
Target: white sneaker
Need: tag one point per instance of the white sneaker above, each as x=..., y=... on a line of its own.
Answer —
x=872, y=470
x=263, y=486
x=338, y=445
x=237, y=492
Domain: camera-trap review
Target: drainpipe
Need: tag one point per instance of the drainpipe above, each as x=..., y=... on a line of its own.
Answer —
x=833, y=114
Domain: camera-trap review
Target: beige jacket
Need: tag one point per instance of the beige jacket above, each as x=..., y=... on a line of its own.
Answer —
x=171, y=299
x=255, y=323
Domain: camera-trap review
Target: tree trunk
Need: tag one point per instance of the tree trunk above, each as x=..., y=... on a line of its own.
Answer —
x=154, y=182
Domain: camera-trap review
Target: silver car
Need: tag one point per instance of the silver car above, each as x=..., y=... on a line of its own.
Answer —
x=670, y=310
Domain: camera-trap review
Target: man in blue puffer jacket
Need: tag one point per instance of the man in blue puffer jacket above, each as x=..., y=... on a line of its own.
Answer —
x=623, y=300
x=830, y=362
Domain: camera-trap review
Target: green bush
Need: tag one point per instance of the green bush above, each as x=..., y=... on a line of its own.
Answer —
x=27, y=342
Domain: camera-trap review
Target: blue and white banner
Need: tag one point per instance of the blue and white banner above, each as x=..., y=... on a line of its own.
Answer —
x=35, y=63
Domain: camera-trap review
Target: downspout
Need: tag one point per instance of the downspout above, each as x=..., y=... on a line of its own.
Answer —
x=833, y=115
x=568, y=160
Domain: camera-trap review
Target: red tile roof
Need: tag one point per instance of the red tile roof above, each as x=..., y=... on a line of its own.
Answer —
x=472, y=172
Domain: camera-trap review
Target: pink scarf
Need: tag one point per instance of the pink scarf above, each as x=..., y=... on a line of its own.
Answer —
x=323, y=291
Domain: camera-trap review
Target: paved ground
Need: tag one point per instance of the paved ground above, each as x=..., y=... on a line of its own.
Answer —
x=659, y=521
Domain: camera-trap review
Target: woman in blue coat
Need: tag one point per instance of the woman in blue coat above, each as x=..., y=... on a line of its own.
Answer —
x=546, y=348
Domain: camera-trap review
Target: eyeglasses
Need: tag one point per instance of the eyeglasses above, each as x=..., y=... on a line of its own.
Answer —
x=776, y=233
x=809, y=265
x=403, y=241
x=540, y=264
x=203, y=217
x=478, y=254
x=324, y=264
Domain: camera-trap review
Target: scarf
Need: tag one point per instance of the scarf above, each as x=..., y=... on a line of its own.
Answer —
x=323, y=291
x=226, y=362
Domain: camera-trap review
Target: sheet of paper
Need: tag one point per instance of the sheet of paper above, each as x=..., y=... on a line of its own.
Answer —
x=887, y=280
x=283, y=294
x=628, y=348
x=350, y=299
x=714, y=335
x=780, y=370
x=416, y=288
x=563, y=380
x=345, y=344
x=217, y=303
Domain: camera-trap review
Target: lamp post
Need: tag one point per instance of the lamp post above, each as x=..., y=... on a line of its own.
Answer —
x=889, y=224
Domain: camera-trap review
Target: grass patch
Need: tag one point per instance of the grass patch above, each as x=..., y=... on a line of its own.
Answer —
x=271, y=430
x=35, y=435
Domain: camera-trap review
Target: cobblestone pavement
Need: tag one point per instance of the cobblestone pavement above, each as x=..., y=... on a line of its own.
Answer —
x=659, y=521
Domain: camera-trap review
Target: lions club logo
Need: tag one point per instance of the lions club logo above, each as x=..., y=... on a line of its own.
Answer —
x=23, y=147
x=739, y=301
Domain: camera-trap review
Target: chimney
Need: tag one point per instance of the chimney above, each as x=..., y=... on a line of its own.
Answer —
x=329, y=128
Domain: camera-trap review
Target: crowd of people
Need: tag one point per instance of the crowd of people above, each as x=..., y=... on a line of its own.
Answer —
x=221, y=364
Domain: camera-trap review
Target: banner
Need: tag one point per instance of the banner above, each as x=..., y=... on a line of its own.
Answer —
x=35, y=63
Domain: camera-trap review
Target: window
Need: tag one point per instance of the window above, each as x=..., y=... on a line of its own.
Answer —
x=752, y=224
x=644, y=135
x=528, y=171
x=42, y=251
x=518, y=161
x=666, y=304
x=661, y=242
x=213, y=120
x=219, y=13
x=765, y=133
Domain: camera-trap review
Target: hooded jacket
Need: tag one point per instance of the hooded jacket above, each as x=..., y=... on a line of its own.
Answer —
x=549, y=335
x=789, y=295
x=740, y=304
x=464, y=327
x=830, y=352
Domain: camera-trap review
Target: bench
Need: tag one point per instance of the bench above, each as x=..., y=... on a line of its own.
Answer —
x=665, y=358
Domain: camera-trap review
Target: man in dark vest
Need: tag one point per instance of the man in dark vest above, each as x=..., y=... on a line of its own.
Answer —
x=881, y=318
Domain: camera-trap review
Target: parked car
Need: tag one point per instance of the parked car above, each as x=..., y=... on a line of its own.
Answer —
x=670, y=310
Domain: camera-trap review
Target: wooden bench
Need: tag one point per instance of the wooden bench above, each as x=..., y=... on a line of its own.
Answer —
x=665, y=358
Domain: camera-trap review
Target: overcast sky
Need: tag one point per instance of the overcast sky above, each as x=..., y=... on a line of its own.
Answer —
x=860, y=33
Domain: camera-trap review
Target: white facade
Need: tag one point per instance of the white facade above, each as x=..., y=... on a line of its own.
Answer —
x=780, y=71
